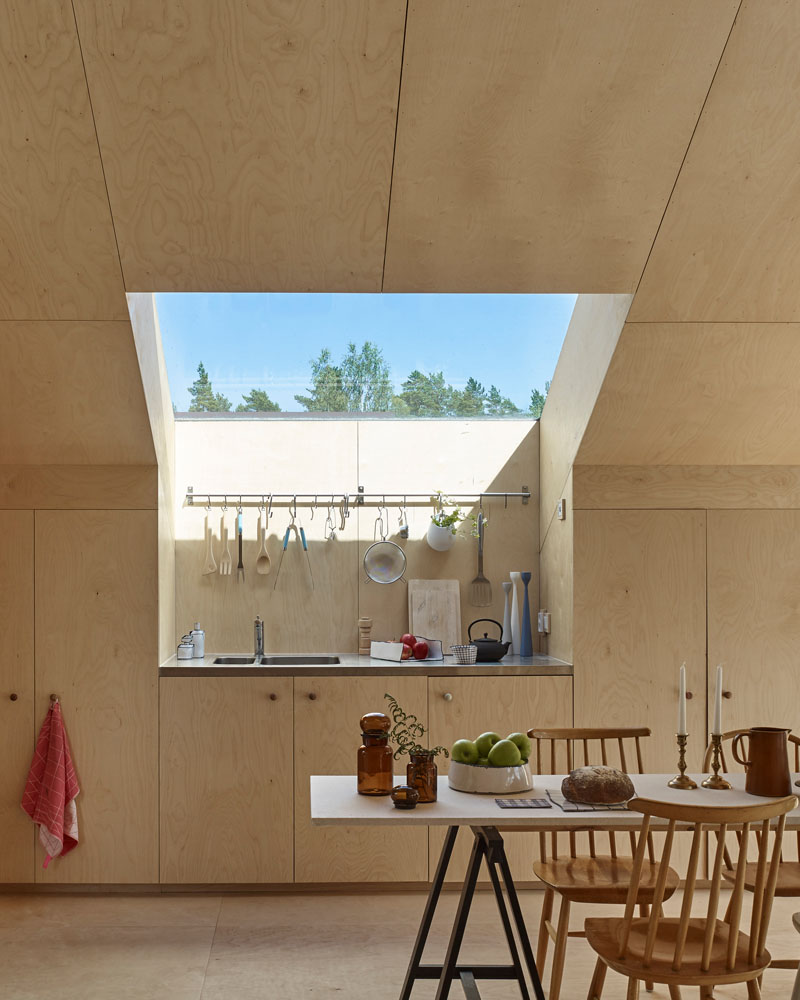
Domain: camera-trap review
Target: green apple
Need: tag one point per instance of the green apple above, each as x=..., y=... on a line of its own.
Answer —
x=522, y=742
x=504, y=754
x=465, y=752
x=485, y=742
x=483, y=762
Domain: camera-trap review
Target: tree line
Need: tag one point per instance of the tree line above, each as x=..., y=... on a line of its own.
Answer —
x=360, y=383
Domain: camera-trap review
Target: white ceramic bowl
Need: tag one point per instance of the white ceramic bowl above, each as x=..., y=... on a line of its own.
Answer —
x=489, y=780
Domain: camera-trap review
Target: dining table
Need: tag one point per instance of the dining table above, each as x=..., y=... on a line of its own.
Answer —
x=336, y=802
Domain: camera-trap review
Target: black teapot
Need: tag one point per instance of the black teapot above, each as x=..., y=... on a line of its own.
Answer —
x=489, y=650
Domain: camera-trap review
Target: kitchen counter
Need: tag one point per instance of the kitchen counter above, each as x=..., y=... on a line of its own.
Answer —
x=352, y=665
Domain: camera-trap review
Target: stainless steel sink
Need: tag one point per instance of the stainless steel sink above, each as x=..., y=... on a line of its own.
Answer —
x=298, y=658
x=235, y=661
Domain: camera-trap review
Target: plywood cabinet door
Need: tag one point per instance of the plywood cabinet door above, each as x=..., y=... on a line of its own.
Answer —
x=16, y=691
x=97, y=648
x=640, y=611
x=754, y=616
x=327, y=737
x=465, y=707
x=226, y=779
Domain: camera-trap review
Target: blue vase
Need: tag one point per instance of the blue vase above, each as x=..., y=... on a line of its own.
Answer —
x=526, y=639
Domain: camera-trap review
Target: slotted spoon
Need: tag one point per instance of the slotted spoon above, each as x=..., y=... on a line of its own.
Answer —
x=480, y=590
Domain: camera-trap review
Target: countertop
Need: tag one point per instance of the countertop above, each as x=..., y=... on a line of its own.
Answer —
x=352, y=665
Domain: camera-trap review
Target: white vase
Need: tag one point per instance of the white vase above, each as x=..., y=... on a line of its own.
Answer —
x=516, y=633
x=507, y=615
x=439, y=538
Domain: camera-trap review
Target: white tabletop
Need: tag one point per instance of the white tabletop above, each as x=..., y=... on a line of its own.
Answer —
x=335, y=801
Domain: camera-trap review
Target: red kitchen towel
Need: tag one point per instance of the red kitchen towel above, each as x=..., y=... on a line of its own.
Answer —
x=49, y=797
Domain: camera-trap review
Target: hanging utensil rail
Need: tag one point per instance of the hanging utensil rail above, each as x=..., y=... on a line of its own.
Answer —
x=194, y=498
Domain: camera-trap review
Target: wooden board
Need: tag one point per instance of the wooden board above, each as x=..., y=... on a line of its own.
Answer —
x=72, y=394
x=327, y=738
x=504, y=705
x=679, y=486
x=698, y=394
x=753, y=625
x=58, y=257
x=434, y=611
x=538, y=143
x=97, y=649
x=226, y=779
x=278, y=178
x=16, y=678
x=640, y=601
x=729, y=245
x=61, y=487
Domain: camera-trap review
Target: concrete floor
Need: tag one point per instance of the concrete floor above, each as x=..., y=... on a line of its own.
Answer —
x=274, y=946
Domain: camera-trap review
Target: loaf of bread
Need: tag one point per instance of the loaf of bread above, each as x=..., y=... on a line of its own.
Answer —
x=597, y=785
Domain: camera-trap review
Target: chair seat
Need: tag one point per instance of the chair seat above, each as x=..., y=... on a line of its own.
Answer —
x=788, y=877
x=601, y=880
x=605, y=936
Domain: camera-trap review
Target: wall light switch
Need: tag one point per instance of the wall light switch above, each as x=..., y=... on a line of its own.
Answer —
x=561, y=510
x=546, y=622
x=540, y=623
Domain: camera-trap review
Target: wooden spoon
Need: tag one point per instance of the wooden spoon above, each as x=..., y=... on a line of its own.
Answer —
x=263, y=562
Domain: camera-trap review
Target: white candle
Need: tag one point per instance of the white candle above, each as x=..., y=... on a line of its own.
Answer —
x=717, y=730
x=682, y=703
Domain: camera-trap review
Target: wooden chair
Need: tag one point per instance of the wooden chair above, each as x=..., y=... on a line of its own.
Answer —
x=685, y=950
x=788, y=883
x=596, y=878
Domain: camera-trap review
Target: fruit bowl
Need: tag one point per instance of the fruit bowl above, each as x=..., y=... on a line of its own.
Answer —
x=489, y=780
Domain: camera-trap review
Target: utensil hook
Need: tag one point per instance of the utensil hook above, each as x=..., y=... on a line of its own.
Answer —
x=313, y=508
x=269, y=508
x=293, y=509
x=224, y=504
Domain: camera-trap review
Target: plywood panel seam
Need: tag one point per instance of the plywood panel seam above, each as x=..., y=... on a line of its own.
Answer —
x=97, y=143
x=394, y=145
x=688, y=147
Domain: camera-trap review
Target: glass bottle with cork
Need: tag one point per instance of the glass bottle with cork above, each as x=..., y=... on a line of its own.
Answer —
x=375, y=756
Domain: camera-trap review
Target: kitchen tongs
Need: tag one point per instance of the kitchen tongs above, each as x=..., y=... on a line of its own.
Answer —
x=300, y=535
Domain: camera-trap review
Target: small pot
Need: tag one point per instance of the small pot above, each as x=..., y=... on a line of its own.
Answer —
x=489, y=650
x=440, y=538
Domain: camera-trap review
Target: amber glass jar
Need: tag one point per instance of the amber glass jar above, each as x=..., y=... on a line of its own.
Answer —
x=421, y=774
x=375, y=756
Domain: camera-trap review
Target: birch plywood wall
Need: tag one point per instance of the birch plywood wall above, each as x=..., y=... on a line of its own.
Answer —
x=310, y=456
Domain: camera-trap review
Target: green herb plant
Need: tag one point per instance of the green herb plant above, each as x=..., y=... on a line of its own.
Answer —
x=441, y=517
x=407, y=731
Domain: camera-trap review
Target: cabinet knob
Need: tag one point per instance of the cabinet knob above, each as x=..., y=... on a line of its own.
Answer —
x=273, y=697
x=13, y=696
x=447, y=696
x=689, y=696
x=727, y=694
x=312, y=696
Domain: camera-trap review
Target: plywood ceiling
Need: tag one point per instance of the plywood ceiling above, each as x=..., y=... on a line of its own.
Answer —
x=58, y=258
x=729, y=247
x=246, y=146
x=538, y=143
x=699, y=394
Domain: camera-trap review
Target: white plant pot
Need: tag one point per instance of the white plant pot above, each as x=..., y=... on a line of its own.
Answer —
x=489, y=780
x=439, y=538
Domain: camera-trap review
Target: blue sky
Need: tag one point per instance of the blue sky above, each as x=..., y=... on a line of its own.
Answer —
x=266, y=341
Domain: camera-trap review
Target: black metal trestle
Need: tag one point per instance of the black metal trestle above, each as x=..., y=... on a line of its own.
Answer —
x=487, y=846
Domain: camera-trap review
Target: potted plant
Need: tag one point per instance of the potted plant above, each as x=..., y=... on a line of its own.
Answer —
x=444, y=523
x=406, y=732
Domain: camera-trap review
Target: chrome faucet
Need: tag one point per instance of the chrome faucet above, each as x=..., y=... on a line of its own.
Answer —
x=258, y=628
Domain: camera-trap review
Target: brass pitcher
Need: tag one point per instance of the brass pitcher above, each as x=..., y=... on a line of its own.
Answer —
x=767, y=763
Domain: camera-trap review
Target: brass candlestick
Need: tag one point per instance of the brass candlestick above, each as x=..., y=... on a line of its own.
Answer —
x=714, y=780
x=680, y=780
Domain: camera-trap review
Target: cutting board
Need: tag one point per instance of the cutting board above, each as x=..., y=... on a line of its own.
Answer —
x=434, y=611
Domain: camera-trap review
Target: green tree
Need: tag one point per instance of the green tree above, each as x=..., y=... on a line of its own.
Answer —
x=498, y=405
x=427, y=395
x=257, y=401
x=469, y=402
x=204, y=399
x=365, y=379
x=326, y=393
x=538, y=401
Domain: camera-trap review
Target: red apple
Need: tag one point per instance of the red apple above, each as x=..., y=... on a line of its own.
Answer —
x=408, y=639
x=408, y=652
x=420, y=650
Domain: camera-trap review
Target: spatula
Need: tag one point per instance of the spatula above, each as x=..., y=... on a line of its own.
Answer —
x=210, y=565
x=480, y=590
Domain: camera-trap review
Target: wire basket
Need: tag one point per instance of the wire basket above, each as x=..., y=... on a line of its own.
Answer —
x=465, y=654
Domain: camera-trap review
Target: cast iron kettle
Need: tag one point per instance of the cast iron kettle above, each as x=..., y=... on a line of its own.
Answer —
x=489, y=650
